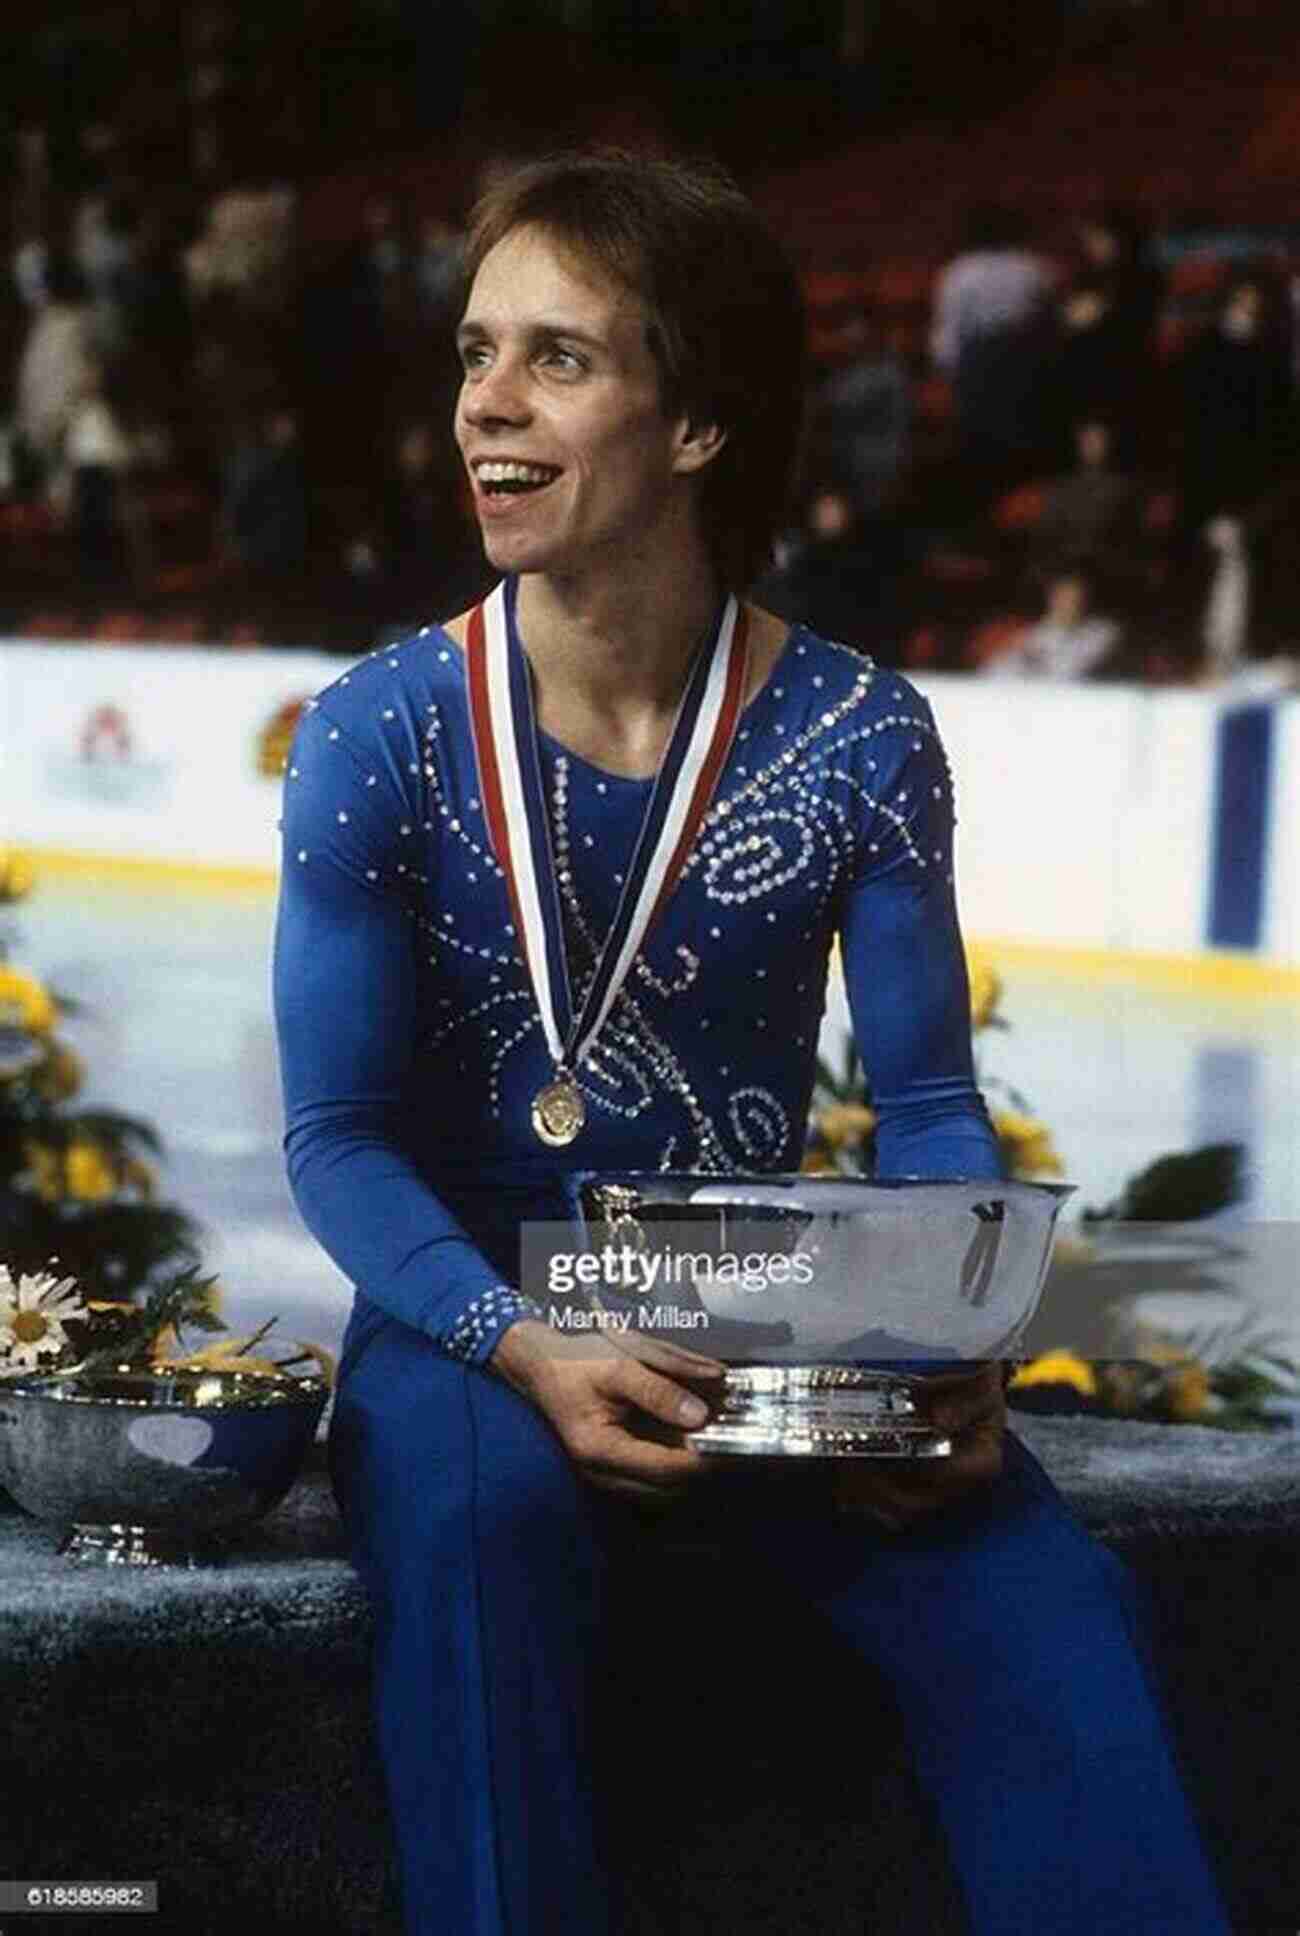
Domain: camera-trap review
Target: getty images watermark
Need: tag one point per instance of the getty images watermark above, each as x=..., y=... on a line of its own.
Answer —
x=622, y=1286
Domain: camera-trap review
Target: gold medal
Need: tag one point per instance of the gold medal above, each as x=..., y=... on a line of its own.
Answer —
x=559, y=1111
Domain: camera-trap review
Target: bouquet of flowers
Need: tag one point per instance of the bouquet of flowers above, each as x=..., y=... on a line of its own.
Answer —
x=47, y=1326
x=94, y=1270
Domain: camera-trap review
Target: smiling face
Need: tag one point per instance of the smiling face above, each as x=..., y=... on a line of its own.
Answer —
x=574, y=462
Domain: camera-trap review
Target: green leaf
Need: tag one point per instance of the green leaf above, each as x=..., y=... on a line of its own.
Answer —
x=113, y=1127
x=1180, y=1187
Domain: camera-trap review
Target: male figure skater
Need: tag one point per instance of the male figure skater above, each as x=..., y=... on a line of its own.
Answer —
x=560, y=881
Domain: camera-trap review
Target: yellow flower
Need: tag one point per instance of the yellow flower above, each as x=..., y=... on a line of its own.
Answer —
x=227, y=1355
x=1187, y=1391
x=1027, y=1143
x=46, y=1171
x=232, y=1354
x=841, y=1125
x=82, y=1171
x=17, y=876
x=164, y=1345
x=24, y=1003
x=1058, y=1368
x=87, y=1173
x=985, y=988
x=1121, y=1389
x=1156, y=1347
x=817, y=1161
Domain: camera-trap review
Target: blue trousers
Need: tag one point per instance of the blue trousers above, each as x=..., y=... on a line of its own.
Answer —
x=1011, y=1639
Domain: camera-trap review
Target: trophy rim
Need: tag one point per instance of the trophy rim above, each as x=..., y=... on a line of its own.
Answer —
x=818, y=1180
x=152, y=1389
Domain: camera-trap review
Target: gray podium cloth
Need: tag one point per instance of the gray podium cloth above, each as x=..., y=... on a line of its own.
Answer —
x=211, y=1729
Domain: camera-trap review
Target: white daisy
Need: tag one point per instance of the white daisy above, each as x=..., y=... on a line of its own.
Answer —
x=33, y=1310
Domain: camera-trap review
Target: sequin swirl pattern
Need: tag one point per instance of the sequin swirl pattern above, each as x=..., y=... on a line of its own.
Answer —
x=807, y=801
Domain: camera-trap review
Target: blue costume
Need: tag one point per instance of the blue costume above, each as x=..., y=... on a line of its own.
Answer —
x=411, y=1050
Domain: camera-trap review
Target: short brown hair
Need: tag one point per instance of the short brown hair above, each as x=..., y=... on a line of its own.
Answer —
x=725, y=319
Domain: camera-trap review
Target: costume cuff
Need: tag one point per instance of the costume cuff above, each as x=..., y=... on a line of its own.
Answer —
x=474, y=1335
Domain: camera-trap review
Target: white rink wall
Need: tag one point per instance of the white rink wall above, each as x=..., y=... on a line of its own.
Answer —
x=147, y=752
x=1089, y=817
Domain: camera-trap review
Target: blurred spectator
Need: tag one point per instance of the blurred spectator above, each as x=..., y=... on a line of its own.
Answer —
x=1250, y=585
x=438, y=297
x=1099, y=368
x=991, y=337
x=1094, y=510
x=31, y=266
x=1238, y=417
x=33, y=174
x=1116, y=251
x=97, y=453
x=244, y=248
x=438, y=269
x=105, y=247
x=149, y=291
x=1071, y=640
x=375, y=285
x=839, y=573
x=419, y=503
x=860, y=420
x=1226, y=624
x=102, y=244
x=264, y=508
x=426, y=537
x=52, y=369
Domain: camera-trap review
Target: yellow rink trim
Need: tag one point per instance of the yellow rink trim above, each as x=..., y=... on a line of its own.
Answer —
x=133, y=871
x=1218, y=970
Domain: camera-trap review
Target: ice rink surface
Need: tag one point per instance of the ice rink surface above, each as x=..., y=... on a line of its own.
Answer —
x=174, y=980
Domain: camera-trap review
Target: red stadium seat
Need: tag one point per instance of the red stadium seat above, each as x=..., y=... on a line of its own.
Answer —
x=1196, y=277
x=903, y=285
x=934, y=400
x=923, y=647
x=131, y=628
x=181, y=628
x=831, y=288
x=51, y=625
x=1161, y=511
x=989, y=641
x=958, y=567
x=28, y=518
x=1171, y=338
x=1021, y=510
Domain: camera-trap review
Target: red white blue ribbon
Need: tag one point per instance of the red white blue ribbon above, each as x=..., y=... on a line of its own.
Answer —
x=514, y=805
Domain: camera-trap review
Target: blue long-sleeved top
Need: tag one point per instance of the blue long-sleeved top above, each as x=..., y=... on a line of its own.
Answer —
x=410, y=1042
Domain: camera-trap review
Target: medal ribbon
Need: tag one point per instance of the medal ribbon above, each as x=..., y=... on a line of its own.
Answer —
x=510, y=779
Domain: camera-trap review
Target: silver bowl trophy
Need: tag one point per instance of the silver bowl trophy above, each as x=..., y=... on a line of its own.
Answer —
x=829, y=1298
x=152, y=1467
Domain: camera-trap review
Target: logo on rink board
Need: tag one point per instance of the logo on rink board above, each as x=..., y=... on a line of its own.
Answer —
x=276, y=737
x=107, y=766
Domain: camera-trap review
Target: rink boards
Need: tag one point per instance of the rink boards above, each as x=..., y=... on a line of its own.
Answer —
x=1151, y=823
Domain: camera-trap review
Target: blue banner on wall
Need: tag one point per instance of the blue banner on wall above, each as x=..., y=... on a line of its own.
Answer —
x=1238, y=863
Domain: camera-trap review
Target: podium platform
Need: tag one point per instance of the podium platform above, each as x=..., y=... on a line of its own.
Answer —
x=211, y=1730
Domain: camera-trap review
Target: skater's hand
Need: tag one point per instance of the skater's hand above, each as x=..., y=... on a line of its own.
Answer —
x=619, y=1409
x=970, y=1406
